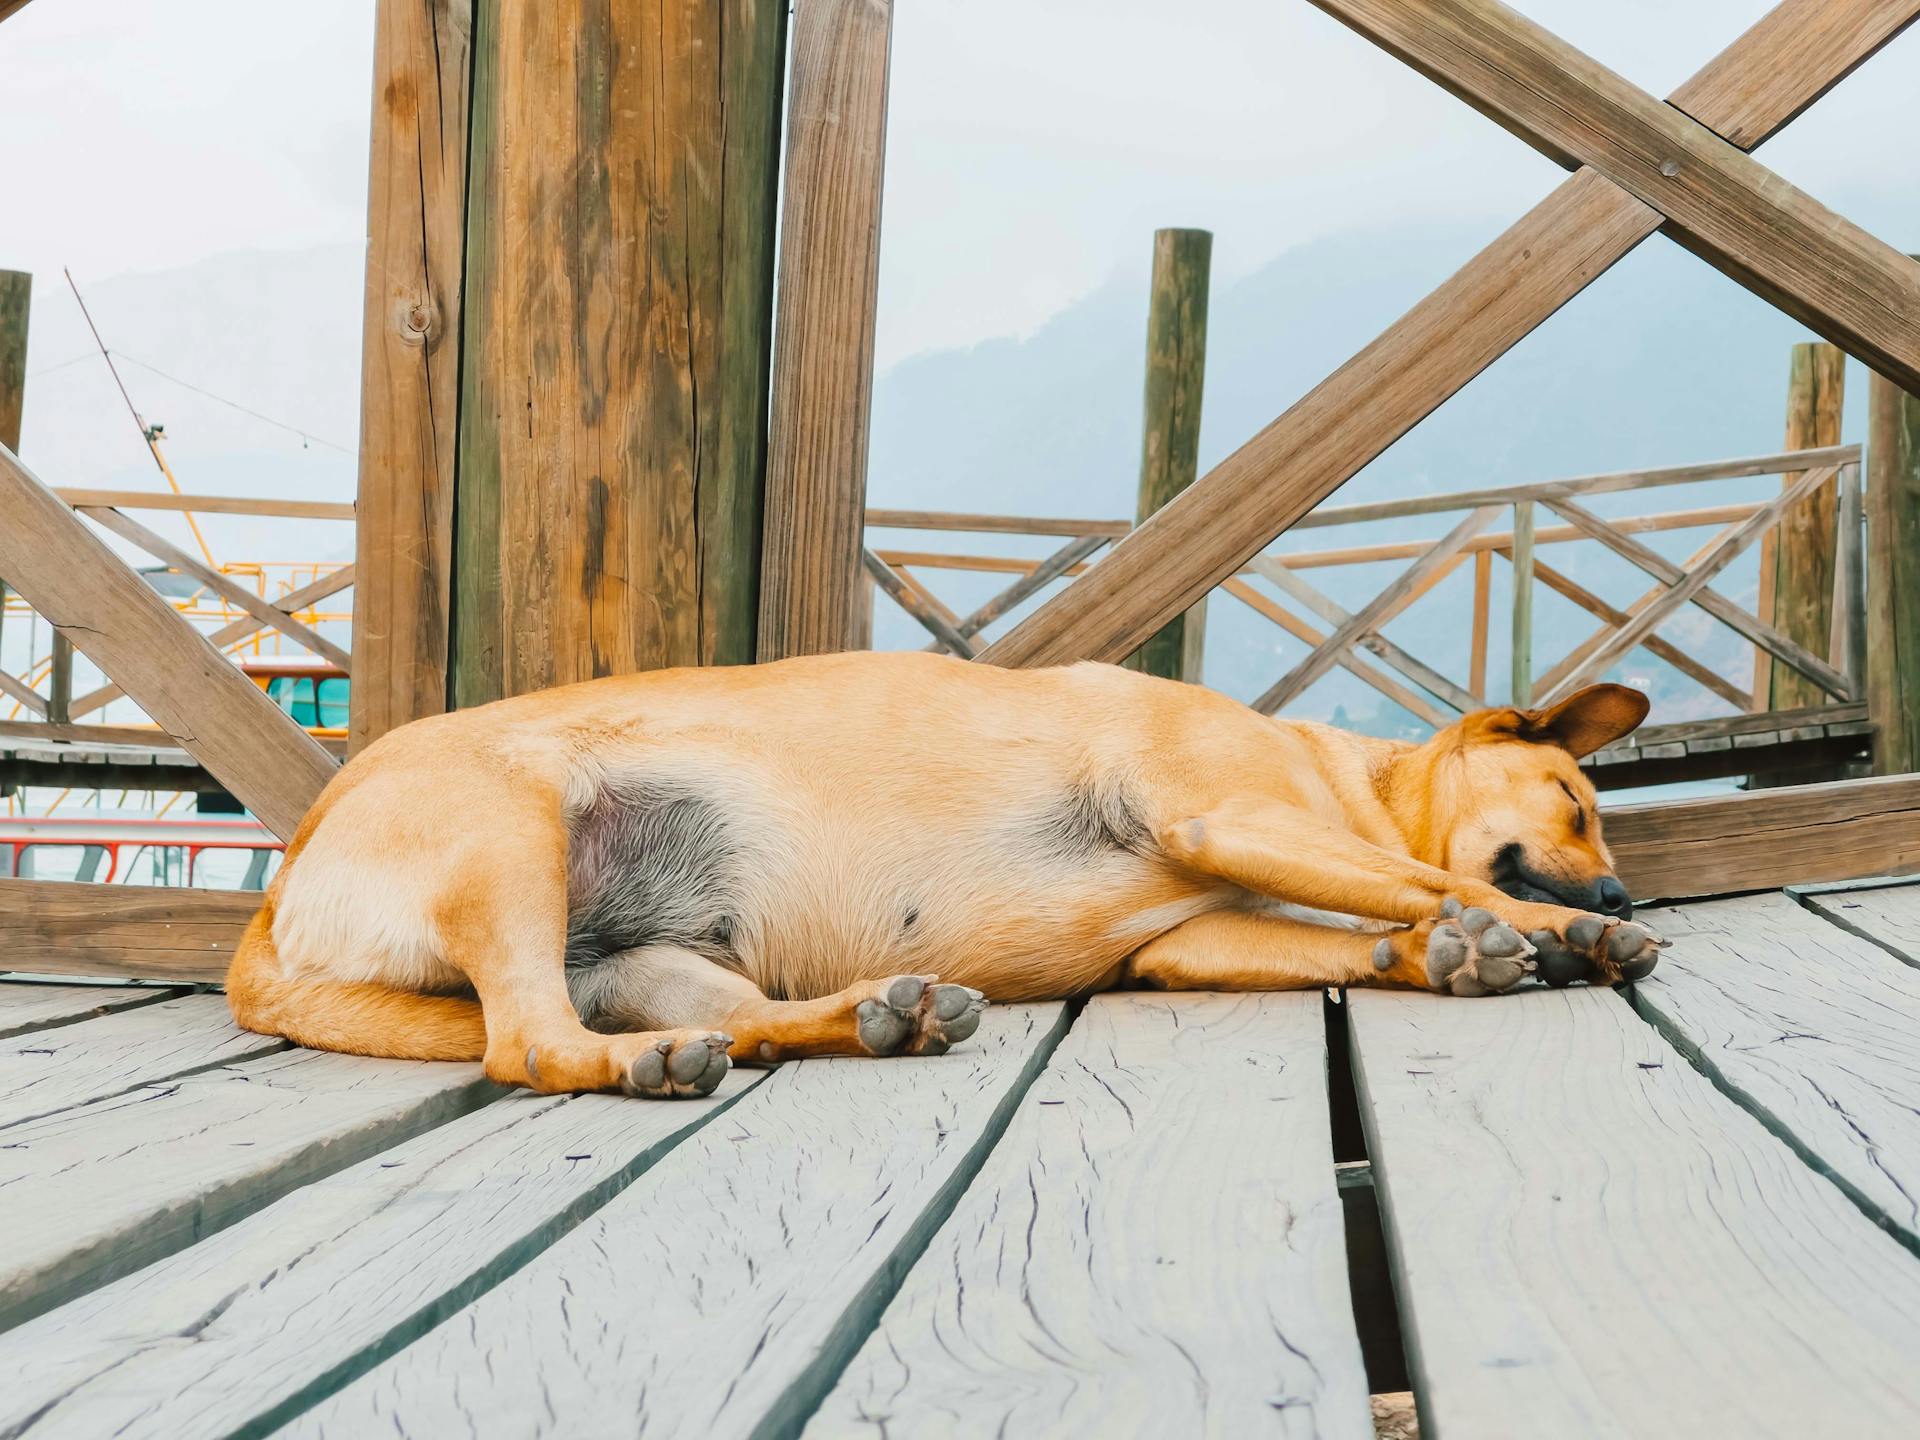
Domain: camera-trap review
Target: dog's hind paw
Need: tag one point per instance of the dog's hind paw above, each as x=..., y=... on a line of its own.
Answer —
x=689, y=1062
x=1597, y=949
x=1473, y=953
x=913, y=1015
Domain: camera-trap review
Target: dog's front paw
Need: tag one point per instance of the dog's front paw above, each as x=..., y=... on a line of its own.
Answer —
x=1597, y=949
x=912, y=1015
x=1468, y=952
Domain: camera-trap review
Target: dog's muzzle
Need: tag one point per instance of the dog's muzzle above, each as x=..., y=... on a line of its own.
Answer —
x=1605, y=895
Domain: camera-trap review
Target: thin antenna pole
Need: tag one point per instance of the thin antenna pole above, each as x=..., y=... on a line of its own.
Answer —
x=146, y=430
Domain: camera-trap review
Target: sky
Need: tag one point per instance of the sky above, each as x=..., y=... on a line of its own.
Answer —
x=1033, y=145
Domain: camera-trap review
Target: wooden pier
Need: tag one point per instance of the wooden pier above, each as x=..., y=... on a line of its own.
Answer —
x=600, y=435
x=1686, y=1208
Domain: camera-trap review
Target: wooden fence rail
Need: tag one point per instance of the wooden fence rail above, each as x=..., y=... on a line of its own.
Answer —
x=1418, y=684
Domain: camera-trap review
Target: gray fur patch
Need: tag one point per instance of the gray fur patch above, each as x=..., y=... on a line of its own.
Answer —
x=1093, y=816
x=652, y=862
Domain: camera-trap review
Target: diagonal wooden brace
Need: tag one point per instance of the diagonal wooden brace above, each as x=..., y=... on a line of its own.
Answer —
x=1271, y=569
x=1715, y=604
x=1409, y=700
x=239, y=630
x=1722, y=204
x=192, y=691
x=1377, y=611
x=1692, y=584
x=909, y=600
x=1751, y=90
x=259, y=608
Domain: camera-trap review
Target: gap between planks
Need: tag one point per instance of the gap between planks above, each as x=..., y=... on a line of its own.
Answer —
x=777, y=1296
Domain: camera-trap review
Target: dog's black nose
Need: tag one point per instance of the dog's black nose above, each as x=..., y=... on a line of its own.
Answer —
x=1614, y=899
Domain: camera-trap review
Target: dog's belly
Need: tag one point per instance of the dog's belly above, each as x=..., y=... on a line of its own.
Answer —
x=805, y=896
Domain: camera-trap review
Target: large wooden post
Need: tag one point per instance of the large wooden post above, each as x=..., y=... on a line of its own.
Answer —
x=1170, y=435
x=16, y=294
x=410, y=364
x=617, y=327
x=1893, y=576
x=1802, y=560
x=823, y=369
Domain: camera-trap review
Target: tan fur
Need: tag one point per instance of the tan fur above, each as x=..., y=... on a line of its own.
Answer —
x=865, y=783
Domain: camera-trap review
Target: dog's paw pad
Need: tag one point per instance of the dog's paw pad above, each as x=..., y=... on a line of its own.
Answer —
x=1634, y=950
x=1597, y=950
x=1383, y=956
x=691, y=1064
x=916, y=1016
x=1473, y=963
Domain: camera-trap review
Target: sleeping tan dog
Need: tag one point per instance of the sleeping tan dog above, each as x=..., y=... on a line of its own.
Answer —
x=625, y=883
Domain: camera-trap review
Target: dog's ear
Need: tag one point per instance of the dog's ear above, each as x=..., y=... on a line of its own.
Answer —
x=1587, y=720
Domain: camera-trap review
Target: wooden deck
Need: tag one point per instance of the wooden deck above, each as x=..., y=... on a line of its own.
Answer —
x=1693, y=1209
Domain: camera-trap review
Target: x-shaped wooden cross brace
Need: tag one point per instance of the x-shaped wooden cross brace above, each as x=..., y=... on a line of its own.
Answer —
x=1641, y=166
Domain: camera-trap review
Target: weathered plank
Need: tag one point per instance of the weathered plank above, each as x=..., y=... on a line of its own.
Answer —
x=1721, y=727
x=191, y=690
x=1155, y=1247
x=1887, y=915
x=1726, y=207
x=751, y=1260
x=1764, y=839
x=134, y=931
x=1813, y=1030
x=34, y=1005
x=1498, y=298
x=823, y=363
x=55, y=1070
x=1170, y=432
x=1589, y=1240
x=615, y=341
x=412, y=1233
x=90, y=1194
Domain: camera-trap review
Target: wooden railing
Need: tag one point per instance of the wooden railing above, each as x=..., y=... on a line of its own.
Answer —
x=238, y=605
x=1334, y=634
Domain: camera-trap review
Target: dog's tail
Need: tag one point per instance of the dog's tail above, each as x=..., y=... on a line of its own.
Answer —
x=353, y=1018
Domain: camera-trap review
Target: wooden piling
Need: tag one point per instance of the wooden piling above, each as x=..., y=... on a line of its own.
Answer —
x=1170, y=436
x=16, y=295
x=823, y=370
x=617, y=327
x=410, y=364
x=1893, y=576
x=1522, y=684
x=1803, y=556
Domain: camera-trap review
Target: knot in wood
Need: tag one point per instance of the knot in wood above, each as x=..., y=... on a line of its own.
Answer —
x=417, y=321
